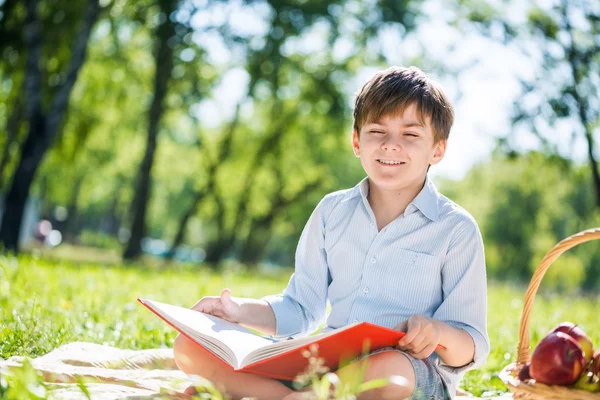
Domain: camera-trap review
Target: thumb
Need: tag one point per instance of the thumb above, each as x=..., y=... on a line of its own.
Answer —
x=226, y=297
x=402, y=327
x=230, y=306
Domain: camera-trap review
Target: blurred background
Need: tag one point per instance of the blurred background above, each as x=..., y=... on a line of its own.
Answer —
x=205, y=132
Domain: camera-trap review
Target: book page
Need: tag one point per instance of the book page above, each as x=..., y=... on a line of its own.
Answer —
x=212, y=332
x=286, y=345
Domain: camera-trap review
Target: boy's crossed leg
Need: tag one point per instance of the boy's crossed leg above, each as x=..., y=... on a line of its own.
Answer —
x=382, y=365
x=192, y=360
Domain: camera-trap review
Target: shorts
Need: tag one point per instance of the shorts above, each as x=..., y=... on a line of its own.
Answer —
x=428, y=383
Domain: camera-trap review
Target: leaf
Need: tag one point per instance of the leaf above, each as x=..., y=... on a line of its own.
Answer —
x=372, y=384
x=82, y=386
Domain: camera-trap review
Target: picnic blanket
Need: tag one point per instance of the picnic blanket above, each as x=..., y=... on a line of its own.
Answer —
x=112, y=373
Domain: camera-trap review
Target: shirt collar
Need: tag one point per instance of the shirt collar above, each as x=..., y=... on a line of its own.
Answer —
x=426, y=201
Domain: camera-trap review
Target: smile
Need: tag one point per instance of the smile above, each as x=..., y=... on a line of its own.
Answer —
x=390, y=162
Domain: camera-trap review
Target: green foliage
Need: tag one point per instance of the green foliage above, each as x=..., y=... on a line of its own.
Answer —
x=295, y=105
x=541, y=20
x=99, y=240
x=524, y=206
x=22, y=383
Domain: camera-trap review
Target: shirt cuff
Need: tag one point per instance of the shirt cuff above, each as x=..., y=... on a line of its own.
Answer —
x=287, y=316
x=482, y=350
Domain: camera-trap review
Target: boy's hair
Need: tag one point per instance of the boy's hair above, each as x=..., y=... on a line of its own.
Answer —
x=392, y=90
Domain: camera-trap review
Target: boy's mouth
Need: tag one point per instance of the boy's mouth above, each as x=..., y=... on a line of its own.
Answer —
x=390, y=162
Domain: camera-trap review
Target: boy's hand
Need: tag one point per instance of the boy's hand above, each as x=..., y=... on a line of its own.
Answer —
x=223, y=306
x=422, y=336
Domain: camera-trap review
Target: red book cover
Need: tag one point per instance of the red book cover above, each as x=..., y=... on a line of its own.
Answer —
x=344, y=345
x=336, y=346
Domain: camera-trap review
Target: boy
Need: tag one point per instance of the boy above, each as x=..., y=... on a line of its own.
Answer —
x=391, y=251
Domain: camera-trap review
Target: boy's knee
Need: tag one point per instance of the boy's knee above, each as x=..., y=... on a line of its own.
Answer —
x=388, y=364
x=180, y=351
x=186, y=354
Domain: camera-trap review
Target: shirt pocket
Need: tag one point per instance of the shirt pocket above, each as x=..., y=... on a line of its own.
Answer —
x=413, y=281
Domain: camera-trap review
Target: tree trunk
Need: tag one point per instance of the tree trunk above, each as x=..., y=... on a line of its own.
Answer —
x=33, y=148
x=114, y=222
x=593, y=165
x=257, y=241
x=7, y=36
x=42, y=129
x=220, y=157
x=228, y=239
x=261, y=229
x=183, y=224
x=46, y=203
x=164, y=66
x=574, y=58
x=70, y=229
x=216, y=251
x=33, y=152
x=13, y=123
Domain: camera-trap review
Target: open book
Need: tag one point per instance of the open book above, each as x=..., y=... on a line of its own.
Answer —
x=245, y=351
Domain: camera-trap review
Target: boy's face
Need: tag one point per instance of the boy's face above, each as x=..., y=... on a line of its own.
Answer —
x=396, y=151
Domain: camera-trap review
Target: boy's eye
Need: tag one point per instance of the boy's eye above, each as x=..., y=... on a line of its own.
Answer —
x=377, y=132
x=411, y=134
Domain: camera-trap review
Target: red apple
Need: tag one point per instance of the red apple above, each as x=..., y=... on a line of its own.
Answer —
x=557, y=360
x=580, y=337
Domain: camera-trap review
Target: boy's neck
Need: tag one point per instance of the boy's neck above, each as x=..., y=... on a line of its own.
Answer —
x=389, y=204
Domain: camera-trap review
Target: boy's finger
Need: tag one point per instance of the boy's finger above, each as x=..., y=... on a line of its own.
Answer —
x=426, y=352
x=201, y=305
x=418, y=343
x=418, y=348
x=413, y=331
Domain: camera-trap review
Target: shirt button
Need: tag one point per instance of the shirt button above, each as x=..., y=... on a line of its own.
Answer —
x=373, y=260
x=366, y=290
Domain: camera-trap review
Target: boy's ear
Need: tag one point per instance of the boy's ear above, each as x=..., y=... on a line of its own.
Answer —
x=439, y=152
x=355, y=143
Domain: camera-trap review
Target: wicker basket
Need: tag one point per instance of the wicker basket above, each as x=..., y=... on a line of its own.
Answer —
x=531, y=389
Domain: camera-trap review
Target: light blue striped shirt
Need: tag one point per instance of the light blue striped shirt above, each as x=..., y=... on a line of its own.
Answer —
x=429, y=261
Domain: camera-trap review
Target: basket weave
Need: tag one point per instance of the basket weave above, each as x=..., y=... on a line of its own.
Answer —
x=531, y=389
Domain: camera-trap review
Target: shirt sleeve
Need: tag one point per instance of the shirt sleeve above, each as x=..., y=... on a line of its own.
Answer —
x=301, y=308
x=464, y=289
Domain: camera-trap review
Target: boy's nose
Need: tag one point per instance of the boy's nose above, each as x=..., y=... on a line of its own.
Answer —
x=392, y=145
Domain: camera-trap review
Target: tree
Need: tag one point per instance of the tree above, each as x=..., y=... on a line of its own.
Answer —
x=11, y=46
x=562, y=98
x=261, y=227
x=575, y=66
x=13, y=125
x=525, y=204
x=164, y=67
x=315, y=79
x=43, y=125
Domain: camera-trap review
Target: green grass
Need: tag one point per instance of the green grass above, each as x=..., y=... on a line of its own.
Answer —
x=46, y=303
